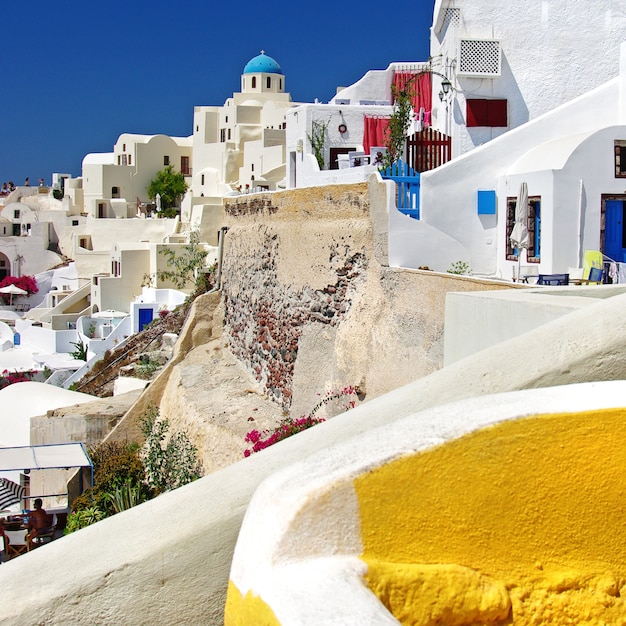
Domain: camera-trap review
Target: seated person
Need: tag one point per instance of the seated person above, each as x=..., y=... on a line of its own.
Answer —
x=39, y=523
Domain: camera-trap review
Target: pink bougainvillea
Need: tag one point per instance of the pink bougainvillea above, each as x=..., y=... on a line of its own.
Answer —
x=27, y=283
x=8, y=378
x=286, y=428
x=289, y=426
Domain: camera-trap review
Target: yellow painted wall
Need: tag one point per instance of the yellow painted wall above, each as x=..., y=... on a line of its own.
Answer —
x=248, y=610
x=524, y=520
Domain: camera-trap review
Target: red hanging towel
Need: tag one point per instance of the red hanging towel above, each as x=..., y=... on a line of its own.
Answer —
x=375, y=133
x=421, y=87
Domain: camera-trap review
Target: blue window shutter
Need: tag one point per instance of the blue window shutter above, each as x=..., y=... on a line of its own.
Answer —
x=486, y=202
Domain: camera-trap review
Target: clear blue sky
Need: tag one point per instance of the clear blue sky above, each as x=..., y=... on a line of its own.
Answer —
x=78, y=73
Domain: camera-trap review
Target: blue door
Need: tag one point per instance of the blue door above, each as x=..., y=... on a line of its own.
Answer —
x=614, y=230
x=145, y=317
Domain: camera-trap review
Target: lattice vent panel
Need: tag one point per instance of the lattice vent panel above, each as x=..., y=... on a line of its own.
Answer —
x=452, y=17
x=479, y=57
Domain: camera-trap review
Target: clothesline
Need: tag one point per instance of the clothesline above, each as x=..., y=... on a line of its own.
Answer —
x=608, y=258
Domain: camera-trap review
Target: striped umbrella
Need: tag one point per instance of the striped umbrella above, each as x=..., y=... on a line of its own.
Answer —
x=10, y=493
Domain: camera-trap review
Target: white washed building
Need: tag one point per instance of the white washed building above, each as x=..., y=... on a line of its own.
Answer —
x=238, y=147
x=511, y=62
x=112, y=183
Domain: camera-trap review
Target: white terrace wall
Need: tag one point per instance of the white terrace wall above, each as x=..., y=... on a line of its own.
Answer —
x=110, y=573
x=476, y=321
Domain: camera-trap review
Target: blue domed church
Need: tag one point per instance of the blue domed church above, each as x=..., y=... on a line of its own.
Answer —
x=262, y=74
x=240, y=147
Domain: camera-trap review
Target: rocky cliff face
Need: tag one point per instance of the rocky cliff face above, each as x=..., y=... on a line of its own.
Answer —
x=310, y=304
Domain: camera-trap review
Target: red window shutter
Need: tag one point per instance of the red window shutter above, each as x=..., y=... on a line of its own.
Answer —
x=497, y=114
x=482, y=112
x=476, y=112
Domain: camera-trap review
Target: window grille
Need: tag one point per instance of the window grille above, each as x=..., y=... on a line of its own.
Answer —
x=479, y=57
x=451, y=17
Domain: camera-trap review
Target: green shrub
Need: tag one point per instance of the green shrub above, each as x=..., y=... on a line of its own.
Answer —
x=459, y=267
x=115, y=464
x=83, y=518
x=80, y=354
x=167, y=465
x=126, y=496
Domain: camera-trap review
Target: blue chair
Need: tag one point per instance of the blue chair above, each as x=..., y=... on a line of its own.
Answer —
x=595, y=275
x=553, y=279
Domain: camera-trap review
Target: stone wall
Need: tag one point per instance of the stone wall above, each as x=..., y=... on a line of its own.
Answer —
x=312, y=307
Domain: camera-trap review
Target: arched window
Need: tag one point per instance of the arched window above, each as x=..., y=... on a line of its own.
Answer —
x=268, y=82
x=254, y=82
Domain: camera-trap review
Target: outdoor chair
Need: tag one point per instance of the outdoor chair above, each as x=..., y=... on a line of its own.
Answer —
x=357, y=159
x=15, y=543
x=595, y=275
x=343, y=161
x=576, y=275
x=526, y=274
x=553, y=279
x=45, y=535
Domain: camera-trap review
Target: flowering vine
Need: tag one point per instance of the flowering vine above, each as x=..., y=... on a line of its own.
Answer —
x=289, y=426
x=8, y=378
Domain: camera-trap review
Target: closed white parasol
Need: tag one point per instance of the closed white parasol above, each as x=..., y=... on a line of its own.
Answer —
x=519, y=235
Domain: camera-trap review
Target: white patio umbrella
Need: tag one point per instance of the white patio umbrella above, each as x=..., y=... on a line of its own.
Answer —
x=13, y=290
x=519, y=235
